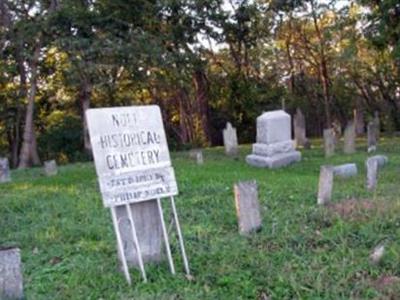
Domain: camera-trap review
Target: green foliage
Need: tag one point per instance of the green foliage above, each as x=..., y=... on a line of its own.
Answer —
x=61, y=138
x=68, y=245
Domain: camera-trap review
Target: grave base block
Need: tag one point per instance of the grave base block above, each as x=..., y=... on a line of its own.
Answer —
x=276, y=161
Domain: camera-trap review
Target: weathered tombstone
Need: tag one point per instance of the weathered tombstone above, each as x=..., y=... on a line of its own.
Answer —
x=247, y=206
x=50, y=168
x=359, y=122
x=345, y=170
x=349, y=146
x=372, y=174
x=299, y=124
x=134, y=172
x=372, y=141
x=11, y=282
x=381, y=159
x=325, y=185
x=274, y=147
x=329, y=142
x=230, y=140
x=4, y=170
x=199, y=157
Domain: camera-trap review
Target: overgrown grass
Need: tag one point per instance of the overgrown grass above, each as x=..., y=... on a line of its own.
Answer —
x=303, y=251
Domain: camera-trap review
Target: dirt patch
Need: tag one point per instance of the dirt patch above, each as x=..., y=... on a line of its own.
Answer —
x=353, y=208
x=385, y=281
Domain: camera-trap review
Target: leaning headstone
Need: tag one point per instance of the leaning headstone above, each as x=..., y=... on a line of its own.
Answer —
x=372, y=141
x=329, y=142
x=247, y=206
x=345, y=170
x=230, y=140
x=381, y=159
x=11, y=282
x=274, y=147
x=349, y=146
x=299, y=124
x=372, y=174
x=50, y=168
x=325, y=185
x=359, y=122
x=4, y=170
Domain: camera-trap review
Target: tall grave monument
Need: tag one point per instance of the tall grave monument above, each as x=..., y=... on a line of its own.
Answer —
x=134, y=171
x=230, y=140
x=274, y=147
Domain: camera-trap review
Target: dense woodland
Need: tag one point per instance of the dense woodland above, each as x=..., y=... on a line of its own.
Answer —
x=204, y=62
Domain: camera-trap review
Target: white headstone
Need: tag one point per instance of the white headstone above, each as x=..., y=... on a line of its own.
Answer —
x=372, y=174
x=345, y=170
x=4, y=170
x=325, y=184
x=230, y=140
x=274, y=147
x=11, y=282
x=50, y=168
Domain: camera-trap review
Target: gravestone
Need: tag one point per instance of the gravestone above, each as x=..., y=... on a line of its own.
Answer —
x=349, y=146
x=274, y=147
x=4, y=170
x=372, y=174
x=11, y=281
x=199, y=157
x=230, y=140
x=359, y=122
x=325, y=185
x=299, y=124
x=134, y=172
x=329, y=142
x=381, y=159
x=247, y=206
x=345, y=170
x=372, y=140
x=50, y=168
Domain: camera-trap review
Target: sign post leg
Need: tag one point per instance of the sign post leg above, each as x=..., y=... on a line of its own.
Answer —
x=178, y=229
x=120, y=246
x=171, y=262
x=135, y=239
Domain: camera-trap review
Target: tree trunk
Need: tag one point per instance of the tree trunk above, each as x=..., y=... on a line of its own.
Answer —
x=85, y=93
x=201, y=85
x=29, y=154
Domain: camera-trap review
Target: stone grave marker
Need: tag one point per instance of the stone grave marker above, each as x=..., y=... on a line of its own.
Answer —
x=345, y=170
x=199, y=157
x=134, y=172
x=247, y=206
x=372, y=139
x=329, y=142
x=4, y=170
x=274, y=147
x=50, y=168
x=349, y=146
x=325, y=185
x=11, y=281
x=372, y=174
x=230, y=140
x=299, y=124
x=381, y=159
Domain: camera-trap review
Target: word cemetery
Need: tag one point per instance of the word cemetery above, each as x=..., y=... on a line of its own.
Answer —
x=133, y=165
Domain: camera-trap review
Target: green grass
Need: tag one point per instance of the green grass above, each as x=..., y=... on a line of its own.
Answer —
x=303, y=251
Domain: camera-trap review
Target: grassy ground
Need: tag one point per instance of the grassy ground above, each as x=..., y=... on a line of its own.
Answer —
x=302, y=252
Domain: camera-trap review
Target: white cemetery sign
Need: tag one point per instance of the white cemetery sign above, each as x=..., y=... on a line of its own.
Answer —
x=133, y=164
